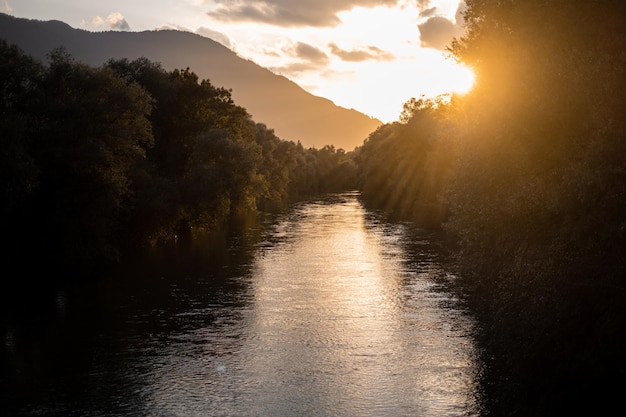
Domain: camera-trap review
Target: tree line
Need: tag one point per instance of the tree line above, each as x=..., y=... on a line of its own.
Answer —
x=100, y=162
x=527, y=174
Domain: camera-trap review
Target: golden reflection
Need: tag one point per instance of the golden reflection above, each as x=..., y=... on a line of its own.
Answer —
x=339, y=323
x=335, y=317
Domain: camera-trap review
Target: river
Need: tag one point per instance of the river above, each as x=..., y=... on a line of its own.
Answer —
x=326, y=309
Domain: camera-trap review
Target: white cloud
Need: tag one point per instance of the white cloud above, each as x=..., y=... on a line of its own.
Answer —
x=437, y=32
x=97, y=21
x=290, y=13
x=361, y=54
x=114, y=21
x=117, y=21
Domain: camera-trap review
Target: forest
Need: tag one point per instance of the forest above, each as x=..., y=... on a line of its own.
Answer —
x=98, y=163
x=526, y=176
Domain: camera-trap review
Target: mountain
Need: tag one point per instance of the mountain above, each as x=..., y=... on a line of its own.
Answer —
x=281, y=104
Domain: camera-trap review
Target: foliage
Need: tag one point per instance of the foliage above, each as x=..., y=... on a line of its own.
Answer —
x=19, y=175
x=86, y=131
x=99, y=162
x=404, y=166
x=534, y=186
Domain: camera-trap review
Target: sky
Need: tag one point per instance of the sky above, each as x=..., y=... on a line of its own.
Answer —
x=368, y=55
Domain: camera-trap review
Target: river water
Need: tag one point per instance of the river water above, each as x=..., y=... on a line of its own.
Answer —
x=326, y=309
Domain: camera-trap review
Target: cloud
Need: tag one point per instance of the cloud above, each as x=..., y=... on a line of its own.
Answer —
x=296, y=68
x=271, y=53
x=310, y=59
x=369, y=53
x=307, y=52
x=437, y=32
x=216, y=36
x=460, y=19
x=115, y=21
x=428, y=12
x=7, y=7
x=289, y=13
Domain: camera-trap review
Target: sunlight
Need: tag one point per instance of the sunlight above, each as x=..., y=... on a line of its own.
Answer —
x=372, y=62
x=390, y=84
x=395, y=28
x=443, y=75
x=461, y=79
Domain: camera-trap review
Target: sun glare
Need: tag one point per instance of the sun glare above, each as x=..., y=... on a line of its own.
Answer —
x=372, y=71
x=391, y=84
x=446, y=76
x=462, y=79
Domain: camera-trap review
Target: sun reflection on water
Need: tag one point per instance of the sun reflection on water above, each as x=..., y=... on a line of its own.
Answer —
x=339, y=318
x=335, y=306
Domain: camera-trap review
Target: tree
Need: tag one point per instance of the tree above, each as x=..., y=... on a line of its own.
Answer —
x=536, y=196
x=19, y=75
x=404, y=166
x=93, y=132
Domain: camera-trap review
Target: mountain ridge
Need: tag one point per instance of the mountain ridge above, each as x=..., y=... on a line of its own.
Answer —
x=273, y=99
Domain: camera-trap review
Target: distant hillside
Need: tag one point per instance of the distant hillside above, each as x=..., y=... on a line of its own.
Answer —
x=281, y=104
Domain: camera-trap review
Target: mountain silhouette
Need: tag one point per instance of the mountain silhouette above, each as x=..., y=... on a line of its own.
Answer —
x=281, y=104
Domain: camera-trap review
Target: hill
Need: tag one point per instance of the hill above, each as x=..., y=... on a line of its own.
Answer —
x=281, y=104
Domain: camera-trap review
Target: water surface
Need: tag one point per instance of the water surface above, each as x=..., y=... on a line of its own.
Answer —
x=324, y=310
